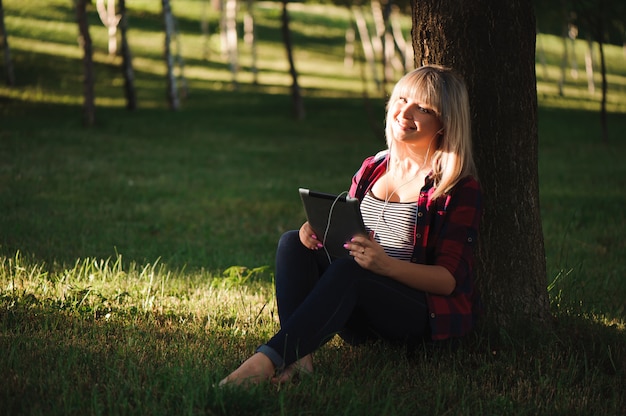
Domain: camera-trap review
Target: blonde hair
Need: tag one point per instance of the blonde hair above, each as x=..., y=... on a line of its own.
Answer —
x=443, y=91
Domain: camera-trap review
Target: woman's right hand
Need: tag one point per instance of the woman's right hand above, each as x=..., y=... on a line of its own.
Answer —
x=308, y=237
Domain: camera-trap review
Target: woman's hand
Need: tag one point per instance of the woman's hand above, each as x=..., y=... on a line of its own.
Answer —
x=368, y=254
x=308, y=237
x=428, y=278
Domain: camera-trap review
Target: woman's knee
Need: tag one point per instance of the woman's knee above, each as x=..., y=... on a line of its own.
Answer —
x=289, y=240
x=291, y=255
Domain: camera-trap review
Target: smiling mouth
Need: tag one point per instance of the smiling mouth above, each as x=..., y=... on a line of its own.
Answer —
x=405, y=126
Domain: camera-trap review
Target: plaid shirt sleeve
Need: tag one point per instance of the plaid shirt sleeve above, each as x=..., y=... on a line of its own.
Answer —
x=451, y=233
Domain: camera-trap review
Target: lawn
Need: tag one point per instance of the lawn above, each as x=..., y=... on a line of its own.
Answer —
x=136, y=257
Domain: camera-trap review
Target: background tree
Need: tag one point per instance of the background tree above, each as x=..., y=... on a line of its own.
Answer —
x=172, y=90
x=204, y=27
x=89, y=98
x=296, y=95
x=250, y=39
x=4, y=44
x=367, y=43
x=599, y=22
x=127, y=60
x=492, y=44
x=110, y=20
x=383, y=45
x=228, y=36
x=598, y=18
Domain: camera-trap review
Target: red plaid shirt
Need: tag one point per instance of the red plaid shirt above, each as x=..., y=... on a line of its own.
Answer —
x=445, y=235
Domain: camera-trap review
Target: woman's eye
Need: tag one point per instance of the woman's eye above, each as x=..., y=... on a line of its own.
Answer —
x=423, y=110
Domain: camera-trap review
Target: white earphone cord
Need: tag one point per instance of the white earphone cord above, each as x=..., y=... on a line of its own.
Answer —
x=330, y=215
x=387, y=196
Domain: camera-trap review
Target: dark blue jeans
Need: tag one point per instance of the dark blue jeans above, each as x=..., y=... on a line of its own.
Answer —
x=317, y=300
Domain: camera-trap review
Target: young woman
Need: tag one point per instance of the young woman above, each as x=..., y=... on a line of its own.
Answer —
x=411, y=280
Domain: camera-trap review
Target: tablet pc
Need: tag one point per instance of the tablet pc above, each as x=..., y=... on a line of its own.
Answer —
x=344, y=215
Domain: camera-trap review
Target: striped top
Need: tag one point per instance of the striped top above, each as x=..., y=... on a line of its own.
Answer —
x=445, y=235
x=393, y=224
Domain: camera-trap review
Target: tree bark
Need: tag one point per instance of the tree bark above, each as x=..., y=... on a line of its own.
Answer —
x=89, y=106
x=296, y=94
x=172, y=89
x=4, y=44
x=492, y=44
x=127, y=60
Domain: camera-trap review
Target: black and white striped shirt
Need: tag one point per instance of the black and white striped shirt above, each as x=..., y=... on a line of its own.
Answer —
x=393, y=224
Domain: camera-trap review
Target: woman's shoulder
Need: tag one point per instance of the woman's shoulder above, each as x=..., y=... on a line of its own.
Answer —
x=468, y=181
x=371, y=168
x=380, y=156
x=376, y=159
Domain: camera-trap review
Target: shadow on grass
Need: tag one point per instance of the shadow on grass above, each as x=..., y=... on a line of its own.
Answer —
x=68, y=362
x=72, y=361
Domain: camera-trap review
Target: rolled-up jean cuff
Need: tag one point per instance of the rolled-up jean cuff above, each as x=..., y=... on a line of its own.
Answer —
x=275, y=358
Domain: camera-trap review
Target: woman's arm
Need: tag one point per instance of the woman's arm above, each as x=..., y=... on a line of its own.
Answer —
x=428, y=278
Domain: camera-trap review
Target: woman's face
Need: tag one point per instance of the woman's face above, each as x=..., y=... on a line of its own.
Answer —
x=413, y=122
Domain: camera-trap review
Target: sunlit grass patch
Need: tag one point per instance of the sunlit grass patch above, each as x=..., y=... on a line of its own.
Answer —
x=109, y=290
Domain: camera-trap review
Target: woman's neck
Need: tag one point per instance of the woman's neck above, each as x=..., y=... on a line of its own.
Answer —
x=409, y=161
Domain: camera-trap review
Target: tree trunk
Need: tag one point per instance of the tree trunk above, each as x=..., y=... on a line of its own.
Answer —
x=492, y=44
x=572, y=34
x=597, y=18
x=348, y=59
x=366, y=43
x=179, y=61
x=296, y=94
x=127, y=60
x=230, y=17
x=110, y=20
x=89, y=106
x=204, y=27
x=591, y=86
x=223, y=31
x=404, y=47
x=172, y=90
x=564, y=59
x=250, y=39
x=378, y=42
x=603, y=120
x=4, y=44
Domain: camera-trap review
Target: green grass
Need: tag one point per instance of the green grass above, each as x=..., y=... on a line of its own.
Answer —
x=136, y=257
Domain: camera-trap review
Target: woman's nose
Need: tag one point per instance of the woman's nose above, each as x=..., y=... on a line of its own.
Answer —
x=405, y=112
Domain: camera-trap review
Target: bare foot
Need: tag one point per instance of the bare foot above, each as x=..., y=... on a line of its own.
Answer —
x=254, y=370
x=303, y=366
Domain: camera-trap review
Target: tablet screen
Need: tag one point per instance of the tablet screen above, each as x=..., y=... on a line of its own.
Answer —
x=334, y=218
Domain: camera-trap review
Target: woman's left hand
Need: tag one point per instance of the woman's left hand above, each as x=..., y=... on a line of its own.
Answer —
x=368, y=253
